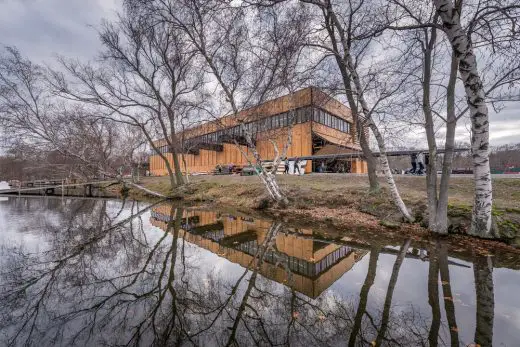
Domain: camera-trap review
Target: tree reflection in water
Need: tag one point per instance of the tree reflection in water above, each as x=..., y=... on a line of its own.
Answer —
x=106, y=277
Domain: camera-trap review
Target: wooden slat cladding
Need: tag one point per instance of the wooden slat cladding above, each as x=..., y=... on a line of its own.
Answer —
x=335, y=136
x=307, y=102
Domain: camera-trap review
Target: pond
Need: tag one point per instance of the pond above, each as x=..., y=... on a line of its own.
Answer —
x=106, y=272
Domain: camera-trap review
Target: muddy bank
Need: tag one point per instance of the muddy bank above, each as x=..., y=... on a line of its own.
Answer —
x=342, y=201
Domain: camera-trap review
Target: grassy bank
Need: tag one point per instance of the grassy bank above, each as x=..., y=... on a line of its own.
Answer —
x=342, y=200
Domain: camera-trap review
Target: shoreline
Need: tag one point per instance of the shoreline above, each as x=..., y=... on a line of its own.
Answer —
x=358, y=218
x=342, y=202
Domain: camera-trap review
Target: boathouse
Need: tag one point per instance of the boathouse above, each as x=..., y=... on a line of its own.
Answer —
x=321, y=126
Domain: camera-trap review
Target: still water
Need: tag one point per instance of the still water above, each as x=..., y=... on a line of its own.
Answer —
x=106, y=272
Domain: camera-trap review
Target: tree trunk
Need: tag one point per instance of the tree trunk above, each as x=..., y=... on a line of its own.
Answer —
x=185, y=168
x=176, y=165
x=483, y=271
x=371, y=162
x=468, y=69
x=363, y=141
x=431, y=174
x=441, y=220
x=367, y=120
x=363, y=295
x=394, y=192
x=449, y=306
x=267, y=178
x=390, y=292
x=433, y=296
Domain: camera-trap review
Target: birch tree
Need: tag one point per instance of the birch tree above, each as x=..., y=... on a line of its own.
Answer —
x=437, y=67
x=502, y=16
x=248, y=59
x=346, y=45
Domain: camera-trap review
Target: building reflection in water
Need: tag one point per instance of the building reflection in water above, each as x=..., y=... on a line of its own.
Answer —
x=298, y=260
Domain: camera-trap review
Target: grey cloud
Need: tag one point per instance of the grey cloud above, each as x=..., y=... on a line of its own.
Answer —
x=43, y=28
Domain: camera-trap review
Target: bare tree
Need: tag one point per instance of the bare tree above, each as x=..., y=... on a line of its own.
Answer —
x=251, y=56
x=32, y=118
x=502, y=32
x=347, y=43
x=147, y=77
x=436, y=69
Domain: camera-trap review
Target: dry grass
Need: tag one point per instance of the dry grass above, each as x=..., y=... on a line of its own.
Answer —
x=335, y=189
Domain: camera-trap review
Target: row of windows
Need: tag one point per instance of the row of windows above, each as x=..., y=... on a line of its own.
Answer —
x=331, y=121
x=281, y=120
x=162, y=149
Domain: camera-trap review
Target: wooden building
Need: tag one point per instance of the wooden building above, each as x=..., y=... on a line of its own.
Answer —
x=314, y=266
x=321, y=125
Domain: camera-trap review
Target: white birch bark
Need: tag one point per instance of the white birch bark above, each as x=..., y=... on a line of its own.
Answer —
x=365, y=115
x=468, y=69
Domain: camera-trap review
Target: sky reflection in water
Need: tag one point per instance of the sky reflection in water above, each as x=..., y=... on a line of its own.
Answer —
x=101, y=272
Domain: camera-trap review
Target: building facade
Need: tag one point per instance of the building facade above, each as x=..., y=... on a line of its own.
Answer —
x=321, y=125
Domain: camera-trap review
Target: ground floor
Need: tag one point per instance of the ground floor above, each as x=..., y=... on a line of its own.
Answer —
x=307, y=140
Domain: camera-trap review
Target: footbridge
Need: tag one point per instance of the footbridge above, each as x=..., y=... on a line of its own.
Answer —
x=52, y=187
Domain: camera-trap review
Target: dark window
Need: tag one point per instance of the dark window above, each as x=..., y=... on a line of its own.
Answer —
x=285, y=116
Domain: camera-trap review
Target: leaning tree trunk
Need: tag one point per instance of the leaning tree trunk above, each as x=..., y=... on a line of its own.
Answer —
x=390, y=292
x=363, y=141
x=367, y=120
x=267, y=178
x=468, y=69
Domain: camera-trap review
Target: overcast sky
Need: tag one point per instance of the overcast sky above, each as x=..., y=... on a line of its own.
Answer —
x=43, y=28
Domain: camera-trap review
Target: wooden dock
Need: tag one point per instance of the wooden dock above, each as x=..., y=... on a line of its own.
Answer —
x=56, y=187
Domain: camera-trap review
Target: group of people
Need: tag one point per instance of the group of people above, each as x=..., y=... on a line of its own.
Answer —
x=296, y=166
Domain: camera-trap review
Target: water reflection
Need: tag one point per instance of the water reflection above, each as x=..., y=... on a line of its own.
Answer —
x=100, y=272
x=295, y=258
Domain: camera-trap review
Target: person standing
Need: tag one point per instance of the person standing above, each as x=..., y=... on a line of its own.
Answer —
x=420, y=162
x=414, y=163
x=286, y=171
x=322, y=167
x=297, y=165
